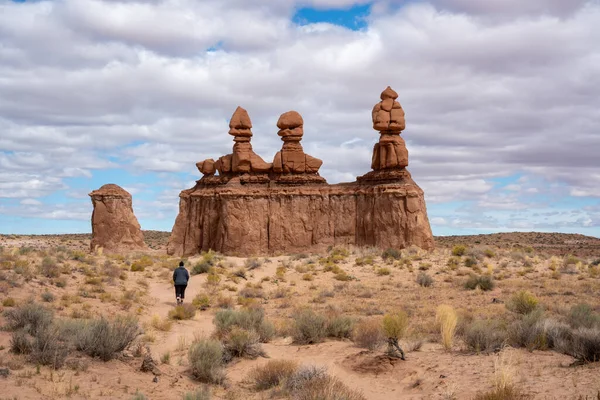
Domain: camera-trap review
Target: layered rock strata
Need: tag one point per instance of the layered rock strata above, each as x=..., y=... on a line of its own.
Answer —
x=114, y=225
x=292, y=209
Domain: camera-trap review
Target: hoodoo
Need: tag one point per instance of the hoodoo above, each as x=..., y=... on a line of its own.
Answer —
x=114, y=225
x=252, y=207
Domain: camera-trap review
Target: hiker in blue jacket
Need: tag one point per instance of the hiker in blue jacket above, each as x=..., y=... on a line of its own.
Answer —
x=181, y=276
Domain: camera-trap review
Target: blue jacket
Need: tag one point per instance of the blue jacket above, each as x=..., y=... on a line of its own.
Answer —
x=181, y=276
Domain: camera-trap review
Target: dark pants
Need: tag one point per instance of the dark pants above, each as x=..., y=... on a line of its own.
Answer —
x=180, y=291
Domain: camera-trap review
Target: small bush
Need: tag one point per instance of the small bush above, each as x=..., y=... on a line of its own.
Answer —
x=470, y=262
x=528, y=331
x=582, y=315
x=20, y=342
x=368, y=334
x=251, y=319
x=49, y=268
x=206, y=361
x=383, y=271
x=50, y=347
x=395, y=324
x=585, y=345
x=459, y=250
x=104, y=338
x=506, y=392
x=423, y=279
x=47, y=297
x=199, y=394
x=484, y=335
x=446, y=318
x=161, y=324
x=32, y=317
x=252, y=263
x=183, y=311
x=242, y=343
x=309, y=327
x=201, y=301
x=391, y=254
x=272, y=374
x=484, y=282
x=522, y=302
x=326, y=388
x=201, y=267
x=9, y=302
x=340, y=326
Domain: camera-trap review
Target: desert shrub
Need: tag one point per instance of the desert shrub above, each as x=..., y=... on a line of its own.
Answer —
x=484, y=282
x=201, y=301
x=9, y=302
x=309, y=327
x=252, y=292
x=342, y=276
x=484, y=335
x=459, y=250
x=325, y=388
x=585, y=344
x=489, y=253
x=272, y=374
x=447, y=319
x=242, y=343
x=104, y=338
x=251, y=319
x=199, y=394
x=161, y=324
x=201, y=267
x=340, y=326
x=48, y=297
x=252, y=263
x=213, y=280
x=139, y=396
x=470, y=262
x=395, y=324
x=528, y=331
x=423, y=279
x=142, y=263
x=226, y=302
x=368, y=334
x=31, y=316
x=391, y=254
x=20, y=342
x=205, y=357
x=49, y=268
x=582, y=315
x=183, y=311
x=506, y=392
x=383, y=271
x=50, y=347
x=522, y=302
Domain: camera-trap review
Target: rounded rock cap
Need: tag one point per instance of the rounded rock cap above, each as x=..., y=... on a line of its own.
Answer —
x=290, y=120
x=110, y=189
x=389, y=93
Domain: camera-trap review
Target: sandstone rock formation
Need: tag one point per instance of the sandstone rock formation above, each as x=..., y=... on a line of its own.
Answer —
x=290, y=208
x=291, y=163
x=114, y=225
x=390, y=156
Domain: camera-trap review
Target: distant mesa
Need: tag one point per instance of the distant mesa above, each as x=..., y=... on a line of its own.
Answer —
x=244, y=206
x=114, y=225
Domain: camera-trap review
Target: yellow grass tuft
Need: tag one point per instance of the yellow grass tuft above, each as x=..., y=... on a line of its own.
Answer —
x=446, y=318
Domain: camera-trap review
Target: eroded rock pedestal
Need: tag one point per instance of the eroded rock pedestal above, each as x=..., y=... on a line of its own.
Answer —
x=114, y=225
x=290, y=208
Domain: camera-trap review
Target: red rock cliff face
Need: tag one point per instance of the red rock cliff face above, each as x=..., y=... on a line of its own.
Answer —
x=289, y=208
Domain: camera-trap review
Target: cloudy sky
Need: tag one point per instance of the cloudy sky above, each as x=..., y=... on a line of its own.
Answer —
x=502, y=102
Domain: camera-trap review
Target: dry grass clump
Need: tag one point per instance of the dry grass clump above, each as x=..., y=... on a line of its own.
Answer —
x=459, y=250
x=201, y=301
x=273, y=373
x=447, y=319
x=205, y=357
x=325, y=388
x=183, y=311
x=142, y=263
x=522, y=302
x=161, y=324
x=252, y=263
x=368, y=334
x=505, y=393
x=391, y=254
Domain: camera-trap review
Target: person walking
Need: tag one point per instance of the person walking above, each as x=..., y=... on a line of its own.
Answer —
x=181, y=276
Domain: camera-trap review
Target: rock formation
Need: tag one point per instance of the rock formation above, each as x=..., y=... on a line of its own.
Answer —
x=288, y=207
x=390, y=156
x=114, y=225
x=291, y=163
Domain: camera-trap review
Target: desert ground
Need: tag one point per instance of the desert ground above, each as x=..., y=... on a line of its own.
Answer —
x=513, y=315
